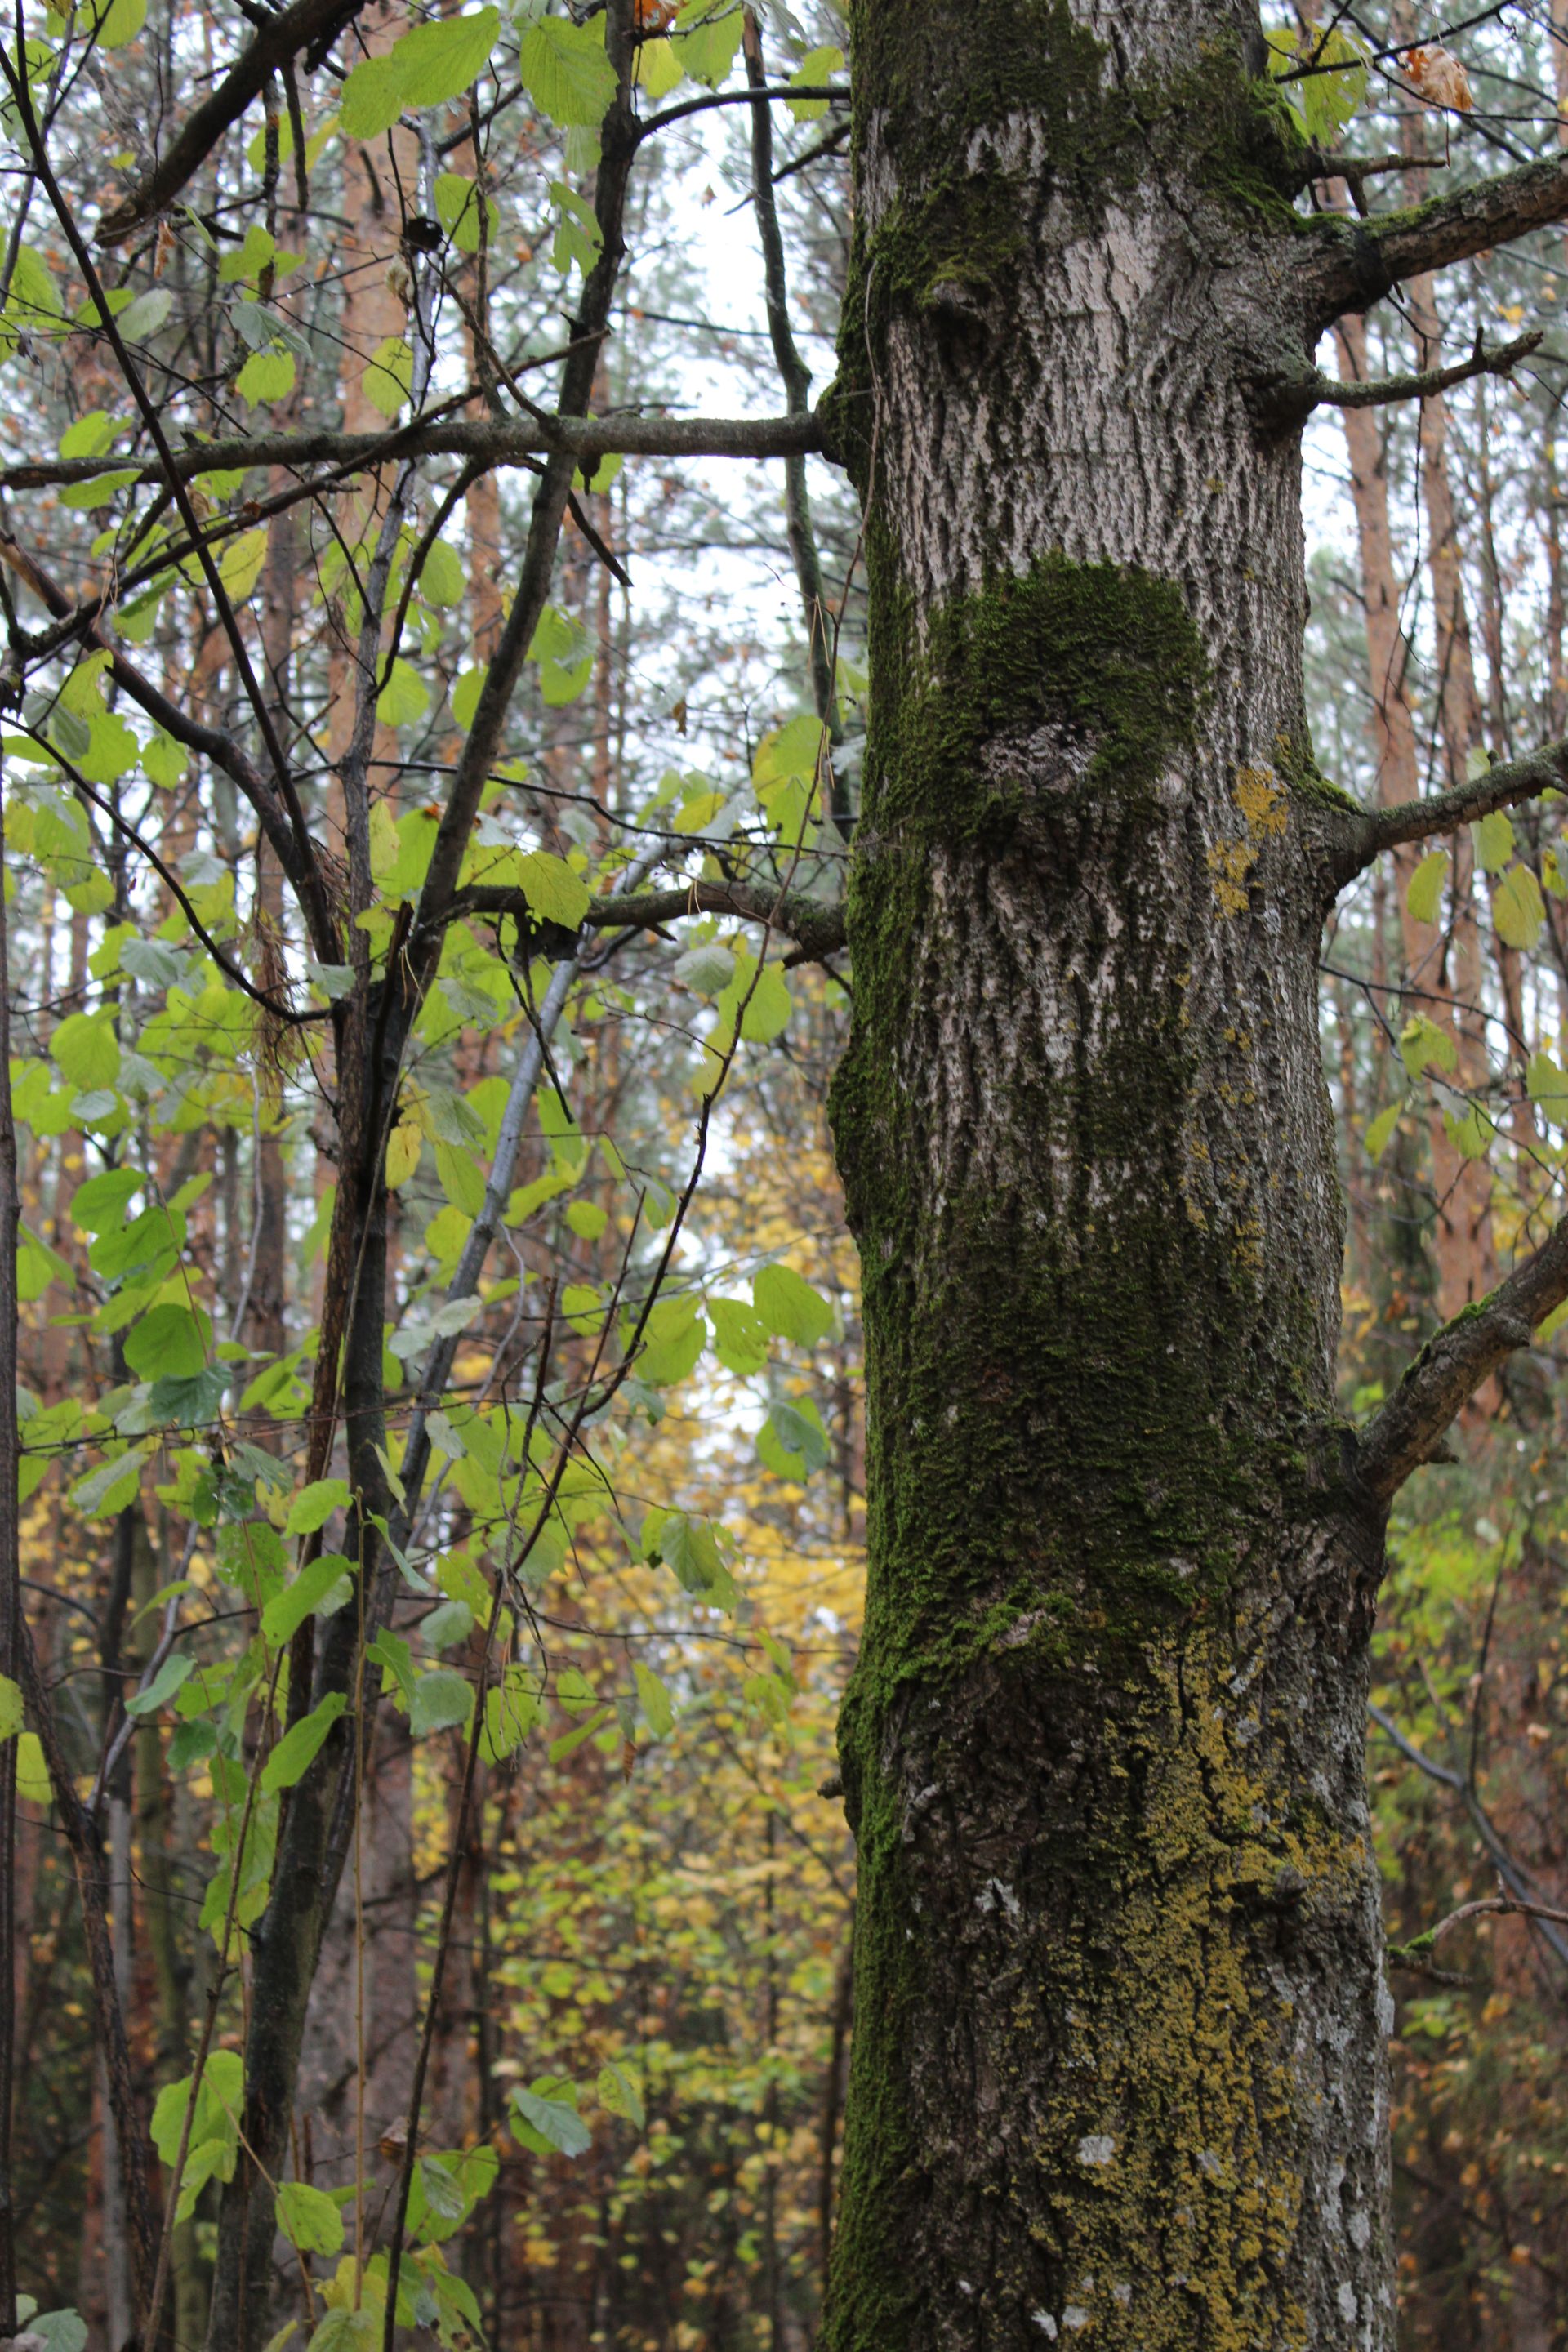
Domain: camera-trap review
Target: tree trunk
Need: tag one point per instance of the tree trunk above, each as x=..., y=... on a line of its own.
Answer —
x=1120, y=2014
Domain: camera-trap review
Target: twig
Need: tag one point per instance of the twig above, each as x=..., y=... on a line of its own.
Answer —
x=1379, y=392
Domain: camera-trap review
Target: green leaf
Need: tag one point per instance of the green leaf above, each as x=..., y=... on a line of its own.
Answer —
x=170, y=1343
x=145, y=315
x=1426, y=892
x=90, y=435
x=440, y=59
x=1494, y=841
x=768, y=1006
x=789, y=1306
x=164, y=761
x=403, y=699
x=309, y=2218
x=1518, y=910
x=512, y=1710
x=708, y=970
x=740, y=1336
x=283, y=1616
x=550, y=2117
x=689, y=1549
x=348, y=2331
x=579, y=240
x=554, y=892
x=61, y=2331
x=659, y=69
x=104, y=1492
x=462, y=1178
x=1548, y=1084
x=657, y=1712
x=297, y=1750
x=84, y=497
x=171, y=1676
x=251, y=258
x=817, y=65
x=566, y=73
x=100, y=1204
x=457, y=210
x=121, y=22
x=792, y=1442
x=1471, y=1133
x=707, y=36
x=1320, y=103
x=442, y=1699
x=388, y=381
x=465, y=695
x=266, y=376
x=11, y=1715
x=314, y=1506
x=371, y=98
x=87, y=1049
x=239, y=567
x=1380, y=1132
x=619, y=2094
x=441, y=582
x=32, y=1772
x=1423, y=1045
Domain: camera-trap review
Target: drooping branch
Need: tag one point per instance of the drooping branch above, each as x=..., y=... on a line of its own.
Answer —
x=1380, y=391
x=584, y=439
x=1348, y=264
x=1457, y=1362
x=1504, y=786
x=280, y=40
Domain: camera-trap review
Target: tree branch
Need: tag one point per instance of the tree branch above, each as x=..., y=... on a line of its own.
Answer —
x=278, y=41
x=1512, y=1873
x=1379, y=392
x=811, y=923
x=1349, y=265
x=1372, y=831
x=1454, y=1364
x=210, y=742
x=584, y=439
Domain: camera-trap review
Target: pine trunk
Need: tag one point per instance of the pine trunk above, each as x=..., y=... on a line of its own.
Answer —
x=1120, y=2015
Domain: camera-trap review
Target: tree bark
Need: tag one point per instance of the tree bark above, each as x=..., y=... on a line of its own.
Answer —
x=1121, y=2012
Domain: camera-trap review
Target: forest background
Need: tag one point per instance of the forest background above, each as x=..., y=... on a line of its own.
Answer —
x=601, y=1788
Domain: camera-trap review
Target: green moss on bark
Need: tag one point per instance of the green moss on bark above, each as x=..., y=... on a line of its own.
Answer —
x=949, y=244
x=1083, y=1407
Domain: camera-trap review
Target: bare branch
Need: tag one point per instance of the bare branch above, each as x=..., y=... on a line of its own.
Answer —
x=1506, y=785
x=277, y=42
x=811, y=923
x=1454, y=1364
x=1349, y=265
x=1511, y=1873
x=1380, y=392
x=832, y=91
x=584, y=439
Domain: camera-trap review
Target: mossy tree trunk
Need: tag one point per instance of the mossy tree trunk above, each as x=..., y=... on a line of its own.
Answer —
x=1121, y=2010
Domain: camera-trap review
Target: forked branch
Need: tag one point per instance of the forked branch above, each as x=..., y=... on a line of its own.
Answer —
x=308, y=23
